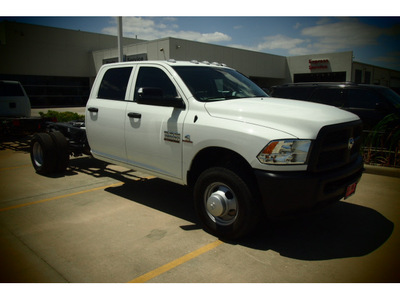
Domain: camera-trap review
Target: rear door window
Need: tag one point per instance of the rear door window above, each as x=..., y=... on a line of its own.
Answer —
x=364, y=99
x=329, y=96
x=114, y=83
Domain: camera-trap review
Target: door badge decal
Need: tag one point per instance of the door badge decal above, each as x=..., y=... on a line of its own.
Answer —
x=172, y=136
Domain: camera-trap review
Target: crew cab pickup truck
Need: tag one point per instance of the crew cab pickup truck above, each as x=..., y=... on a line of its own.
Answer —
x=247, y=156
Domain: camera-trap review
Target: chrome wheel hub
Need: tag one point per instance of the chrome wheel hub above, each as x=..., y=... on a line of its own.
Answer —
x=37, y=153
x=221, y=204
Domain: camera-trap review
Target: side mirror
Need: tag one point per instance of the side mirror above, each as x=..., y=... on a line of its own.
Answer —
x=155, y=96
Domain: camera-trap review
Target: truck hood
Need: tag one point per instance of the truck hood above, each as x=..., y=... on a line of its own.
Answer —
x=298, y=118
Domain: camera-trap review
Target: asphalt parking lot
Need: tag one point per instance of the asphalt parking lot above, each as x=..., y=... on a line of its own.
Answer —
x=100, y=223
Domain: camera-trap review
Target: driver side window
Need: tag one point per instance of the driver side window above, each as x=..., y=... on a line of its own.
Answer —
x=151, y=77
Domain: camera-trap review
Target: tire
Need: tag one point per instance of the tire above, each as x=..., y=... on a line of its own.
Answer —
x=225, y=205
x=62, y=150
x=43, y=154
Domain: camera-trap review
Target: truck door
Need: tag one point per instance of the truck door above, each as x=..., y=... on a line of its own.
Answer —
x=153, y=132
x=105, y=114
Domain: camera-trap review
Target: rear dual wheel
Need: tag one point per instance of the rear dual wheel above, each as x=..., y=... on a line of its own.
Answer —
x=62, y=150
x=49, y=153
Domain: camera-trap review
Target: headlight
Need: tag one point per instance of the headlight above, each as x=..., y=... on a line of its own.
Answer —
x=285, y=152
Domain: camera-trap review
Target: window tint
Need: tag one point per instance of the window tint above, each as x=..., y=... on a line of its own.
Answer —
x=359, y=98
x=114, y=83
x=329, y=96
x=152, y=77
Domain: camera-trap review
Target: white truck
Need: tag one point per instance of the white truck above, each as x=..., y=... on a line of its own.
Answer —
x=247, y=156
x=15, y=110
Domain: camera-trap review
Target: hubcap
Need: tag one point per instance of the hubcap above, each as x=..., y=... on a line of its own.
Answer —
x=221, y=204
x=216, y=204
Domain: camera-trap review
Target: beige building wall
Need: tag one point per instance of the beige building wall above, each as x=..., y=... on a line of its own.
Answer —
x=40, y=50
x=376, y=75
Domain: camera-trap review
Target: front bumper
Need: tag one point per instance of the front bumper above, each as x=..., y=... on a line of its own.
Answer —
x=289, y=193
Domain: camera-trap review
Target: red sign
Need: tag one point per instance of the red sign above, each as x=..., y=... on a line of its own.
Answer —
x=318, y=64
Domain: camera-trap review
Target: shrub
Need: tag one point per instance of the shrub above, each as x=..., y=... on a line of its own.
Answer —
x=382, y=145
x=62, y=116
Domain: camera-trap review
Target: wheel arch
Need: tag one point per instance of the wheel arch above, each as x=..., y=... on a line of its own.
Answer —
x=219, y=157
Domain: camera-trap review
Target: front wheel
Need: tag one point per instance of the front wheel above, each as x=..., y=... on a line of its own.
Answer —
x=225, y=204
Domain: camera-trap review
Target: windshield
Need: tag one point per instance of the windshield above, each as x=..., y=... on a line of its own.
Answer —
x=392, y=96
x=215, y=84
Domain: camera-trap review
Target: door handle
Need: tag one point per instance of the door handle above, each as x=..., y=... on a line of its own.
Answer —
x=134, y=115
x=93, y=109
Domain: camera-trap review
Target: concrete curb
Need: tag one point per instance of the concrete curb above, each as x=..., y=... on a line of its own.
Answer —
x=384, y=171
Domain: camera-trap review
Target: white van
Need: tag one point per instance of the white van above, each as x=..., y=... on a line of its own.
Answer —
x=14, y=101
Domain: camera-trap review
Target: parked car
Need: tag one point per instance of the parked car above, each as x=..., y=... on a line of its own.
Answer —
x=370, y=102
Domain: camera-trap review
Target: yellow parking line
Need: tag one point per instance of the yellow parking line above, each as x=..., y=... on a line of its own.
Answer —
x=12, y=168
x=175, y=263
x=59, y=197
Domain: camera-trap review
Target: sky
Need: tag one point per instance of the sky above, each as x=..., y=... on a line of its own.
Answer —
x=373, y=40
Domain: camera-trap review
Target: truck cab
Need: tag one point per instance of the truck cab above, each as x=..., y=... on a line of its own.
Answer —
x=14, y=101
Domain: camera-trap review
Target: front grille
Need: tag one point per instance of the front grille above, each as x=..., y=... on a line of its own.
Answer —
x=331, y=149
